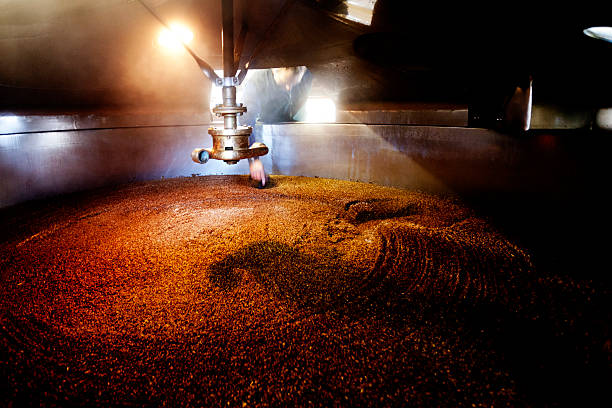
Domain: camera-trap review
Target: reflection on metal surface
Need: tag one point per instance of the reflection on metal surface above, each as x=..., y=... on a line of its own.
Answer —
x=8, y=122
x=517, y=115
x=603, y=119
x=33, y=123
x=558, y=117
x=319, y=110
x=601, y=33
x=404, y=114
x=360, y=11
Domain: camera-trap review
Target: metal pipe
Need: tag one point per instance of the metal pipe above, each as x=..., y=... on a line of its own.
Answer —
x=230, y=122
x=230, y=143
x=227, y=43
x=229, y=96
x=229, y=100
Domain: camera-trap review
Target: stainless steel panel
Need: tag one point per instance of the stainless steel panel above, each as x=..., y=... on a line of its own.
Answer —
x=35, y=165
x=31, y=123
x=438, y=159
x=404, y=114
x=441, y=159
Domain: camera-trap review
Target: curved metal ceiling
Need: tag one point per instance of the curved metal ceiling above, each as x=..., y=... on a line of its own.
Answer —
x=87, y=52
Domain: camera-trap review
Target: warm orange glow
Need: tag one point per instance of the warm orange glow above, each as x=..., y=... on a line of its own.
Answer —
x=174, y=38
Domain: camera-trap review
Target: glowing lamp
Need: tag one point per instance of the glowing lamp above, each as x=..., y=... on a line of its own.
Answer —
x=174, y=38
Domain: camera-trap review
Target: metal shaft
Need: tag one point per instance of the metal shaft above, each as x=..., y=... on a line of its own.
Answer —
x=229, y=100
x=230, y=143
x=227, y=43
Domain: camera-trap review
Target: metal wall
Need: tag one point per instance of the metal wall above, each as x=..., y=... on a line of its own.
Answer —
x=42, y=156
x=91, y=152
